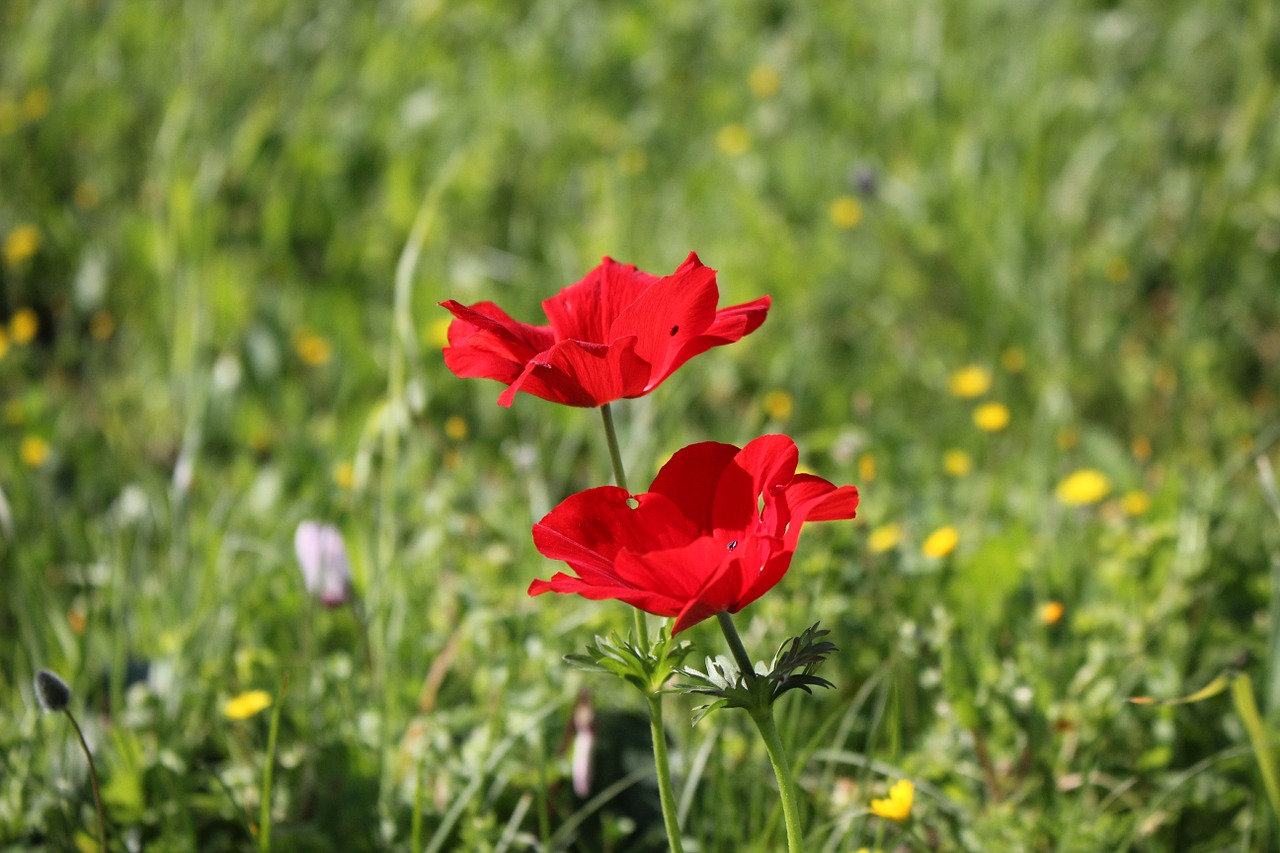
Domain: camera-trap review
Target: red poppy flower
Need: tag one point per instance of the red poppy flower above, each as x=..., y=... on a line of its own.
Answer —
x=715, y=531
x=617, y=333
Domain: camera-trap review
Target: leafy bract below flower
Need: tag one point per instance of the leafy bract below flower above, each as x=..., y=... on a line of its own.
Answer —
x=326, y=571
x=617, y=333
x=715, y=531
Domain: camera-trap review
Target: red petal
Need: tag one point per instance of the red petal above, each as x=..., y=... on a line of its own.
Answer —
x=761, y=469
x=674, y=310
x=588, y=529
x=646, y=600
x=580, y=374
x=585, y=311
x=811, y=498
x=690, y=479
x=486, y=342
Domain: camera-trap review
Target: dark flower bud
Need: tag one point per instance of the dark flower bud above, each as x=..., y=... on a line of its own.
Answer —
x=51, y=691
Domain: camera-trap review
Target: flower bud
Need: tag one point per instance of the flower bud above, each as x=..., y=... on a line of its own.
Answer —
x=51, y=691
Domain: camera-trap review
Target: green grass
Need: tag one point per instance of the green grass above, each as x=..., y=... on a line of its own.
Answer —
x=1093, y=185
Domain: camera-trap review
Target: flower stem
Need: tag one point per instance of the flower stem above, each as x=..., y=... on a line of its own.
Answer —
x=665, y=791
x=620, y=477
x=93, y=779
x=763, y=718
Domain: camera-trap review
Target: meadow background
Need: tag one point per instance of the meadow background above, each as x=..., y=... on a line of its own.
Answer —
x=226, y=226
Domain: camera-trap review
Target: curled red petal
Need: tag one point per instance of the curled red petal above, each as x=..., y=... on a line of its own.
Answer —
x=650, y=601
x=674, y=310
x=574, y=373
x=760, y=470
x=484, y=341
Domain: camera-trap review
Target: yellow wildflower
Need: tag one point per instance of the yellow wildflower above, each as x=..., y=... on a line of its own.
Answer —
x=1141, y=448
x=1135, y=503
x=1086, y=486
x=1051, y=612
x=1067, y=438
x=846, y=212
x=969, y=382
x=1013, y=360
x=778, y=405
x=991, y=417
x=764, y=81
x=22, y=243
x=898, y=805
x=455, y=427
x=733, y=140
x=246, y=705
x=4, y=342
x=313, y=349
x=23, y=326
x=866, y=468
x=884, y=538
x=957, y=463
x=34, y=451
x=941, y=542
x=344, y=475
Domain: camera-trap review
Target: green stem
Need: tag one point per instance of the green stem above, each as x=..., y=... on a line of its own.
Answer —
x=745, y=666
x=665, y=791
x=264, y=818
x=93, y=780
x=620, y=477
x=763, y=718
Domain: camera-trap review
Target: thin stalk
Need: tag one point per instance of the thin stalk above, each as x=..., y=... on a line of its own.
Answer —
x=665, y=792
x=93, y=780
x=264, y=819
x=620, y=477
x=763, y=718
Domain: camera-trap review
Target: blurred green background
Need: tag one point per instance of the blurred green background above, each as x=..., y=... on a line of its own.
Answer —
x=226, y=226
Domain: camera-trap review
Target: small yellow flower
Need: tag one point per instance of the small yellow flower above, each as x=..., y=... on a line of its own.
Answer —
x=246, y=705
x=1051, y=612
x=1141, y=448
x=898, y=805
x=846, y=212
x=778, y=405
x=455, y=427
x=1014, y=360
x=1067, y=438
x=1118, y=271
x=866, y=468
x=969, y=382
x=77, y=621
x=22, y=243
x=4, y=342
x=1083, y=487
x=23, y=326
x=344, y=475
x=34, y=451
x=733, y=140
x=35, y=104
x=438, y=332
x=884, y=538
x=102, y=325
x=313, y=349
x=957, y=463
x=764, y=81
x=941, y=542
x=991, y=417
x=1135, y=503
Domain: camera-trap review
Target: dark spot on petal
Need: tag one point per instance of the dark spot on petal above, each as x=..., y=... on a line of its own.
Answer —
x=733, y=544
x=674, y=329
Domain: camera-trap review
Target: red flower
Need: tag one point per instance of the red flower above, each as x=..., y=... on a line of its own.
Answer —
x=617, y=333
x=715, y=531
